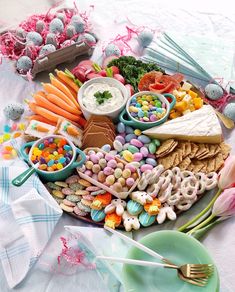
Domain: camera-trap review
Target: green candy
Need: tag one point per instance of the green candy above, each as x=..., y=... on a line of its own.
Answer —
x=152, y=148
x=158, y=103
x=133, y=149
x=156, y=142
x=142, y=162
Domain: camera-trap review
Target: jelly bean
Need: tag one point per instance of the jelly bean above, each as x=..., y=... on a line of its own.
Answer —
x=117, y=145
x=144, y=139
x=121, y=127
x=112, y=163
x=21, y=126
x=130, y=182
x=6, y=128
x=153, y=118
x=156, y=142
x=136, y=143
x=135, y=164
x=55, y=153
x=128, y=156
x=50, y=162
x=14, y=127
x=42, y=166
x=145, y=167
x=126, y=173
x=91, y=152
x=138, y=156
x=120, y=139
x=131, y=167
x=129, y=137
x=6, y=137
x=129, y=130
x=41, y=146
x=144, y=151
x=67, y=147
x=137, y=132
x=16, y=135
x=94, y=158
x=125, y=146
x=152, y=148
x=151, y=156
x=151, y=161
x=133, y=149
x=110, y=180
x=142, y=162
x=118, y=172
x=108, y=170
x=62, y=160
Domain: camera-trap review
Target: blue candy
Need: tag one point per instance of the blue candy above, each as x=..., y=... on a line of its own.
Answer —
x=129, y=137
x=49, y=48
x=7, y=129
x=51, y=162
x=213, y=91
x=144, y=139
x=151, y=161
x=67, y=147
x=121, y=128
x=24, y=64
x=41, y=146
x=97, y=215
x=140, y=113
x=112, y=50
x=56, y=26
x=129, y=130
x=106, y=148
x=146, y=219
x=78, y=23
x=134, y=208
x=62, y=160
x=34, y=37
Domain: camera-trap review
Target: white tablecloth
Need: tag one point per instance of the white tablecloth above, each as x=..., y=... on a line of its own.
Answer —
x=109, y=18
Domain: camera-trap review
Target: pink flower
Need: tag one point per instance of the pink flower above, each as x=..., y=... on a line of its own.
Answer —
x=227, y=174
x=225, y=204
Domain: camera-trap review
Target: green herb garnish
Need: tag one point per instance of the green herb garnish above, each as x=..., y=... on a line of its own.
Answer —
x=132, y=69
x=101, y=97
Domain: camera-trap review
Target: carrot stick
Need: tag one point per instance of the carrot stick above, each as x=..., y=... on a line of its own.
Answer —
x=73, y=92
x=58, y=101
x=49, y=88
x=43, y=102
x=41, y=92
x=67, y=80
x=40, y=119
x=58, y=84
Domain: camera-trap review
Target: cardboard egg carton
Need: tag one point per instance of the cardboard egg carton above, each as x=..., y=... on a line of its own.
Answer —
x=67, y=54
x=121, y=195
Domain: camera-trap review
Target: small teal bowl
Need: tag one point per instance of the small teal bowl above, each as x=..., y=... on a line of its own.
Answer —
x=57, y=175
x=131, y=121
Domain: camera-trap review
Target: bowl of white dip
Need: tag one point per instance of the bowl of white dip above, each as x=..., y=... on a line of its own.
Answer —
x=102, y=96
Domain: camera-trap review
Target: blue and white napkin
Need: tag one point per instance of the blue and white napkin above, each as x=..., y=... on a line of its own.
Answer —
x=28, y=215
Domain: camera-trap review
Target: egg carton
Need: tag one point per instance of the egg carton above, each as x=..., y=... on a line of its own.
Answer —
x=121, y=195
x=68, y=54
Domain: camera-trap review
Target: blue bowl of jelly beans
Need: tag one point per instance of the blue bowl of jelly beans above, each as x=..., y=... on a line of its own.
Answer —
x=55, y=156
x=147, y=109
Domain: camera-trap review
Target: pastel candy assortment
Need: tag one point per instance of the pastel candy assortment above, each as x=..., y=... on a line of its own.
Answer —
x=134, y=147
x=52, y=154
x=147, y=108
x=108, y=170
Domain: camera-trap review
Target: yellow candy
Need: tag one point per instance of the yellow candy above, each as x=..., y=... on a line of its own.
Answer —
x=21, y=126
x=126, y=173
x=6, y=137
x=13, y=153
x=145, y=108
x=1, y=139
x=110, y=180
x=51, y=156
x=149, y=98
x=122, y=181
x=127, y=155
x=145, y=102
x=137, y=132
x=59, y=165
x=55, y=153
x=133, y=109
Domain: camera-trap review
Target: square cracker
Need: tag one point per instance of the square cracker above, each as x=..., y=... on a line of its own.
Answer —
x=202, y=150
x=96, y=140
x=166, y=147
x=213, y=150
x=224, y=149
x=211, y=164
x=198, y=165
x=184, y=163
x=219, y=161
x=166, y=161
x=194, y=149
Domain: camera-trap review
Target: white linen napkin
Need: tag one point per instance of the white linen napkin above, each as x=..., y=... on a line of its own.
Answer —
x=28, y=215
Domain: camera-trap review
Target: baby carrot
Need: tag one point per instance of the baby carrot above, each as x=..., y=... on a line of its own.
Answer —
x=49, y=88
x=43, y=112
x=58, y=101
x=67, y=80
x=40, y=119
x=43, y=102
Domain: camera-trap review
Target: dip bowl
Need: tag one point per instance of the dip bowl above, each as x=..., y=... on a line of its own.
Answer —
x=112, y=113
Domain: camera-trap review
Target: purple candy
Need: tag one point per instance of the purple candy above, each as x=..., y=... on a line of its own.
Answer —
x=129, y=137
x=153, y=118
x=144, y=151
x=136, y=143
x=151, y=156
x=120, y=139
x=42, y=160
x=137, y=156
x=50, y=140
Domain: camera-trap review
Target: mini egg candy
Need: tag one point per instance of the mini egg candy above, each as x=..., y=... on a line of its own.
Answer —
x=229, y=111
x=61, y=16
x=112, y=50
x=96, y=168
x=145, y=38
x=106, y=148
x=13, y=111
x=24, y=64
x=130, y=181
x=128, y=156
x=138, y=156
x=108, y=170
x=129, y=137
x=78, y=24
x=89, y=164
x=101, y=177
x=120, y=165
x=110, y=180
x=102, y=163
x=122, y=181
x=51, y=39
x=70, y=31
x=87, y=38
x=144, y=139
x=94, y=158
x=213, y=91
x=112, y=163
x=120, y=139
x=56, y=26
x=109, y=156
x=126, y=173
x=118, y=172
x=47, y=49
x=151, y=161
x=117, y=187
x=40, y=25
x=34, y=37
x=133, y=149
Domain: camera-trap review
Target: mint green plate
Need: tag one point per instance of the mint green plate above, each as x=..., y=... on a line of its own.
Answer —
x=178, y=247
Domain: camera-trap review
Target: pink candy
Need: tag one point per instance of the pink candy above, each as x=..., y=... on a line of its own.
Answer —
x=88, y=172
x=112, y=163
x=138, y=156
x=108, y=170
x=144, y=151
x=145, y=167
x=151, y=156
x=136, y=143
x=94, y=158
x=130, y=181
x=100, y=155
x=109, y=156
x=131, y=167
x=120, y=139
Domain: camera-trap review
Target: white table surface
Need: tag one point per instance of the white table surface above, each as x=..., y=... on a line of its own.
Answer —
x=110, y=18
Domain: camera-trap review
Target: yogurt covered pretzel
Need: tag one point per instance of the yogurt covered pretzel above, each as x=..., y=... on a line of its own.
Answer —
x=149, y=177
x=189, y=187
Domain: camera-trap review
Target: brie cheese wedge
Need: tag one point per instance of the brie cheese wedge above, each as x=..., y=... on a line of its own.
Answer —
x=201, y=126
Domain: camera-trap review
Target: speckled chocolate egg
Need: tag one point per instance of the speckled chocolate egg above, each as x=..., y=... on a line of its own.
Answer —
x=213, y=91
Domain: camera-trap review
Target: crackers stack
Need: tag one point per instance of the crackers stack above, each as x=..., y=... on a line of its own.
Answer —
x=191, y=156
x=99, y=130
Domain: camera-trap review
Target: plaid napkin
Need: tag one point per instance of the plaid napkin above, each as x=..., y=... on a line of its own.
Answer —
x=28, y=215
